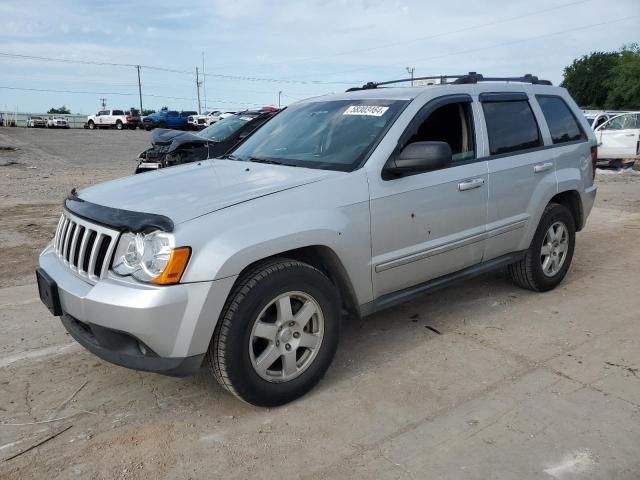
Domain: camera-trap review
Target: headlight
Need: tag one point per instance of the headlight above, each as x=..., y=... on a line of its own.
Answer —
x=150, y=257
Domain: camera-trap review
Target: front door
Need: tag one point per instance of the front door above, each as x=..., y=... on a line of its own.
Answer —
x=618, y=138
x=427, y=225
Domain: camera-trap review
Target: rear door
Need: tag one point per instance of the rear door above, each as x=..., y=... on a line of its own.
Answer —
x=619, y=137
x=433, y=223
x=521, y=169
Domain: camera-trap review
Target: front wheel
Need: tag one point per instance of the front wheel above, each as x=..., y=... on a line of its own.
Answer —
x=119, y=125
x=277, y=334
x=92, y=126
x=547, y=260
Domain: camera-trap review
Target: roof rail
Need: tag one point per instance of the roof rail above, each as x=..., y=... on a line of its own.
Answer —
x=471, y=77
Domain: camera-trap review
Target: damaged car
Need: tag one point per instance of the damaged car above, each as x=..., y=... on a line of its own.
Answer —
x=175, y=147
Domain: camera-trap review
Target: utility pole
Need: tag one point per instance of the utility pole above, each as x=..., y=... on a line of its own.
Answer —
x=204, y=83
x=139, y=88
x=411, y=70
x=104, y=103
x=279, y=95
x=198, y=88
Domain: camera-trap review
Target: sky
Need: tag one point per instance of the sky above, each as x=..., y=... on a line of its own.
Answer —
x=251, y=50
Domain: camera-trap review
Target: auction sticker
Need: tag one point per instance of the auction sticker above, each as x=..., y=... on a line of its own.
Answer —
x=369, y=110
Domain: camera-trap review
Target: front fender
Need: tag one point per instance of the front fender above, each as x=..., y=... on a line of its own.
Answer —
x=331, y=214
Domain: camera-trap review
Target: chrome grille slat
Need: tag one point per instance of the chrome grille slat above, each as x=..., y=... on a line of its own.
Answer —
x=79, y=243
x=83, y=248
x=94, y=256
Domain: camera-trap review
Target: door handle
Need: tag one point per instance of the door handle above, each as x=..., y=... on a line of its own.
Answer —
x=543, y=167
x=630, y=135
x=470, y=184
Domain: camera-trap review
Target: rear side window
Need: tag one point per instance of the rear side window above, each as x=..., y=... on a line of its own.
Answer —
x=118, y=112
x=511, y=126
x=562, y=124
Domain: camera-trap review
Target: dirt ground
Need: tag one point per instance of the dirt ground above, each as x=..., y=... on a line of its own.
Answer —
x=479, y=381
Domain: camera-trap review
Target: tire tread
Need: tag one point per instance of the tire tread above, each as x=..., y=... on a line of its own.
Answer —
x=216, y=360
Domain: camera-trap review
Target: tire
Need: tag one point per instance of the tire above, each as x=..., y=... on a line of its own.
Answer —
x=119, y=125
x=92, y=126
x=236, y=346
x=531, y=272
x=162, y=125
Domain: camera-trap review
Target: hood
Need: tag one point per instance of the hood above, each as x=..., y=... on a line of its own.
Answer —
x=164, y=136
x=189, y=191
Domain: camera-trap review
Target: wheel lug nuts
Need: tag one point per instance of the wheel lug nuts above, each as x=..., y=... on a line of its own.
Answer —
x=277, y=343
x=287, y=346
x=296, y=334
x=291, y=324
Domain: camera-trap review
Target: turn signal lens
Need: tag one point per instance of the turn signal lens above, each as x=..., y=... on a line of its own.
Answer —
x=175, y=267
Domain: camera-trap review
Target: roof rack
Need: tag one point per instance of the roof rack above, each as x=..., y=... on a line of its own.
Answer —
x=471, y=77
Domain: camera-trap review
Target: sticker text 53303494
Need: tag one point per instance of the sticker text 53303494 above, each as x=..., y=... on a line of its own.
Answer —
x=369, y=110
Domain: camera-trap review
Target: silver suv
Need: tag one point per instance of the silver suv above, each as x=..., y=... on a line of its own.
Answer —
x=342, y=204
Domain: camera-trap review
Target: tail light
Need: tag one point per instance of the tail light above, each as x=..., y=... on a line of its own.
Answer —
x=594, y=159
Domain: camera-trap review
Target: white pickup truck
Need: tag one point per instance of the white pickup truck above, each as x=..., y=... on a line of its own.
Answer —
x=112, y=118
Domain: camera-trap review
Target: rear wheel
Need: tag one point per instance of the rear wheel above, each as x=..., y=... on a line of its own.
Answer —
x=277, y=334
x=547, y=260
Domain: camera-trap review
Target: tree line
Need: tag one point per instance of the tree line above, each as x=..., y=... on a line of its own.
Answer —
x=606, y=80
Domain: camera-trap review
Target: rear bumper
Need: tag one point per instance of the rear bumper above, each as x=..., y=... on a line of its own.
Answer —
x=588, y=198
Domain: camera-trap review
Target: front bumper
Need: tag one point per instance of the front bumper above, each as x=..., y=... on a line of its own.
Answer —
x=127, y=351
x=164, y=329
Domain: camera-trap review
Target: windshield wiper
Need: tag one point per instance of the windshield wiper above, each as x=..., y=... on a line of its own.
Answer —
x=270, y=162
x=228, y=156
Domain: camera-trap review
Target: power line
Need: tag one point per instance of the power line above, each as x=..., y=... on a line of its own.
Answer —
x=116, y=93
x=436, y=35
x=172, y=70
x=495, y=45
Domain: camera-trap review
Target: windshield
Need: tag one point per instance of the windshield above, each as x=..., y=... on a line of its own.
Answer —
x=223, y=129
x=333, y=135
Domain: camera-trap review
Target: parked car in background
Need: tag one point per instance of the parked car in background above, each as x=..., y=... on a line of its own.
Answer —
x=57, y=122
x=168, y=119
x=36, y=122
x=117, y=119
x=619, y=140
x=175, y=147
x=354, y=202
x=133, y=120
x=196, y=122
x=596, y=119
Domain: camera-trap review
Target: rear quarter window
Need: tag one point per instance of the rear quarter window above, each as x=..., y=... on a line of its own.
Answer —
x=560, y=120
x=511, y=126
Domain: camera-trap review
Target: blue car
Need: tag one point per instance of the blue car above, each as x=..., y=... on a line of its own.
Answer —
x=167, y=119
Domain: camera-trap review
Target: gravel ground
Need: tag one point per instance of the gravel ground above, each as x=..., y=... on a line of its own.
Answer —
x=504, y=384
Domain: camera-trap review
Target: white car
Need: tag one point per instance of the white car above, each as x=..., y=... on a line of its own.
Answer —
x=619, y=138
x=35, y=122
x=197, y=122
x=117, y=119
x=57, y=122
x=213, y=117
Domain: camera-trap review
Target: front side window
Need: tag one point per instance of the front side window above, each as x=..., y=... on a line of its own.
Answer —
x=562, y=124
x=624, y=122
x=511, y=126
x=331, y=135
x=453, y=124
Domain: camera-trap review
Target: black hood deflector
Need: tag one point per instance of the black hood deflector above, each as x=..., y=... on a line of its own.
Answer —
x=118, y=219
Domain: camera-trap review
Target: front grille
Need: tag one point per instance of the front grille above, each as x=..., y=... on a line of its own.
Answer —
x=85, y=248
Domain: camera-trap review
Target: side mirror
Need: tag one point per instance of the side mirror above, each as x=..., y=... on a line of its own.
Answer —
x=420, y=157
